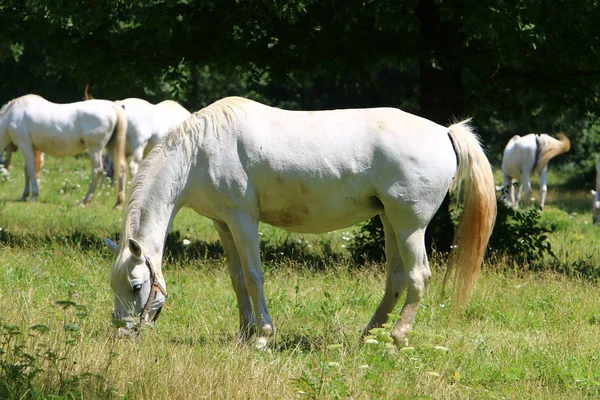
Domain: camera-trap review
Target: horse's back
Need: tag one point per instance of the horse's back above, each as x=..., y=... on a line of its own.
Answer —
x=174, y=108
x=339, y=137
x=171, y=113
x=62, y=129
x=148, y=123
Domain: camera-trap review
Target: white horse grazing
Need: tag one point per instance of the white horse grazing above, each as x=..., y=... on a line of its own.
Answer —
x=32, y=123
x=147, y=124
x=596, y=195
x=527, y=155
x=239, y=162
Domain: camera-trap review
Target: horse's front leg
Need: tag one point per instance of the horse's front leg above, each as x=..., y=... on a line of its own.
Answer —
x=244, y=230
x=247, y=320
x=543, y=186
x=509, y=187
x=9, y=150
x=97, y=175
x=526, y=185
x=26, y=191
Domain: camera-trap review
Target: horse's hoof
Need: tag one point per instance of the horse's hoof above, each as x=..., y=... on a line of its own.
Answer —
x=261, y=343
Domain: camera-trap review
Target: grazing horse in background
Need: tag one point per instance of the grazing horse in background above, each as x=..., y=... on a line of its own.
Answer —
x=239, y=162
x=596, y=196
x=32, y=123
x=147, y=124
x=527, y=155
x=38, y=155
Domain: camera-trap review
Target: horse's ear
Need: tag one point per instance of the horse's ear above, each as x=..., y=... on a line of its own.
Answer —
x=135, y=247
x=112, y=246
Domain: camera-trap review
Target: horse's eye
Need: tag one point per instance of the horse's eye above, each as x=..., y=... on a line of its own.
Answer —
x=137, y=288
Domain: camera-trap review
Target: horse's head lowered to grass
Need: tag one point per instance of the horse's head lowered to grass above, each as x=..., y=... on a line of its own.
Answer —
x=139, y=291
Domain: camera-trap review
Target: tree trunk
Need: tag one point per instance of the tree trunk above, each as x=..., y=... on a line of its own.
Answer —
x=440, y=64
x=441, y=96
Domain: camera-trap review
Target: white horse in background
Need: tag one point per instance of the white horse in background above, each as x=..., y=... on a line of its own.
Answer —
x=147, y=124
x=239, y=162
x=596, y=196
x=33, y=123
x=527, y=155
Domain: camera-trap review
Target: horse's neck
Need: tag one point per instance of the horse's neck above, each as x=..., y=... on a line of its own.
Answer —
x=156, y=198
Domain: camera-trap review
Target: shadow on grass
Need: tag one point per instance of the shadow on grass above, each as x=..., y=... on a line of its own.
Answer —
x=295, y=342
x=271, y=252
x=176, y=251
x=289, y=342
x=81, y=240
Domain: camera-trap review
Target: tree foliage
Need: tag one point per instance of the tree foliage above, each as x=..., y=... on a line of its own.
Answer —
x=509, y=59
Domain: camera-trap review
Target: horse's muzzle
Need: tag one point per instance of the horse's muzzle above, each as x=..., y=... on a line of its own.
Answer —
x=130, y=327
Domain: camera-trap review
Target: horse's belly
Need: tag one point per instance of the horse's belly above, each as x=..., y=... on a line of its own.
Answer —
x=58, y=147
x=318, y=217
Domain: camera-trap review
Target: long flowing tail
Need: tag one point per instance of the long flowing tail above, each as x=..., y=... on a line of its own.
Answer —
x=119, y=137
x=549, y=148
x=474, y=176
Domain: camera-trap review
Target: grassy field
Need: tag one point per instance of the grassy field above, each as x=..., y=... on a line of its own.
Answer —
x=523, y=335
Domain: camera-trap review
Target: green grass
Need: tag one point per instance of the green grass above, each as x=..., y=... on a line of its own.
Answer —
x=523, y=335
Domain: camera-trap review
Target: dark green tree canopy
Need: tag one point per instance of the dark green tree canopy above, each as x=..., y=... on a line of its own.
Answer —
x=521, y=61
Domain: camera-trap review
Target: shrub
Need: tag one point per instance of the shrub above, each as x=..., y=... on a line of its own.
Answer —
x=368, y=243
x=518, y=235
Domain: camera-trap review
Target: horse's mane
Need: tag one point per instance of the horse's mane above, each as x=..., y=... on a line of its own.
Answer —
x=218, y=116
x=214, y=118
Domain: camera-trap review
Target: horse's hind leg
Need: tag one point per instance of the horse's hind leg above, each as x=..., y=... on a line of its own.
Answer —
x=247, y=321
x=418, y=274
x=97, y=175
x=410, y=236
x=395, y=282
